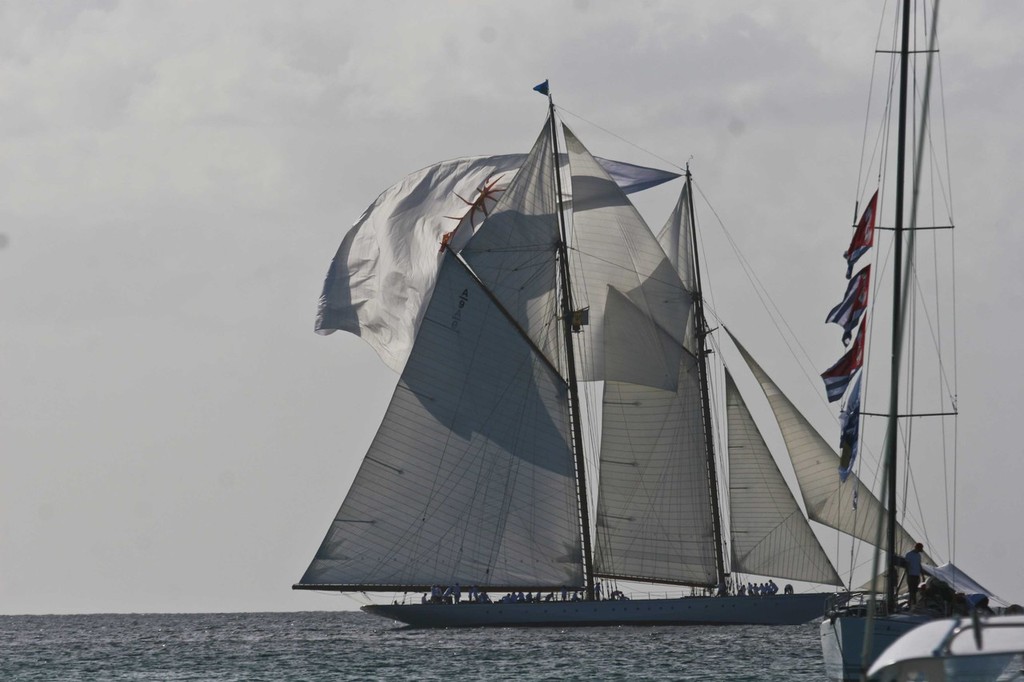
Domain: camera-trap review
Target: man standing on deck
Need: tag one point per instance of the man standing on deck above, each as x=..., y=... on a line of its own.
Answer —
x=913, y=566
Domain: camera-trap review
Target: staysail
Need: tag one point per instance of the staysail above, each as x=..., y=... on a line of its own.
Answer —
x=770, y=535
x=816, y=464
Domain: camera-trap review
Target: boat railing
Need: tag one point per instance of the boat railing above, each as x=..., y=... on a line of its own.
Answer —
x=856, y=603
x=977, y=626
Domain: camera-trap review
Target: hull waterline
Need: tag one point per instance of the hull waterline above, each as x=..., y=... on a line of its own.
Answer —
x=767, y=610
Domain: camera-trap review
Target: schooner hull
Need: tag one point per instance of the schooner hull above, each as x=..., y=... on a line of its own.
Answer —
x=768, y=610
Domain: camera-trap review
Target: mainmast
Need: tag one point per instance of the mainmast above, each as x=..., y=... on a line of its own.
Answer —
x=570, y=360
x=894, y=393
x=701, y=331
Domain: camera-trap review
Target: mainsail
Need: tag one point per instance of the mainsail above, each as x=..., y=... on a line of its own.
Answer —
x=470, y=477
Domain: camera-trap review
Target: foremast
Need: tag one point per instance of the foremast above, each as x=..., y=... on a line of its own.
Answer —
x=701, y=332
x=570, y=361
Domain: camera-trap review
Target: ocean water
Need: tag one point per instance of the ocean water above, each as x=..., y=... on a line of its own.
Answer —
x=313, y=646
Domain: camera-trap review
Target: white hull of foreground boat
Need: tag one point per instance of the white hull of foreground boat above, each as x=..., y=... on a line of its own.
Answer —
x=768, y=610
x=842, y=642
x=952, y=650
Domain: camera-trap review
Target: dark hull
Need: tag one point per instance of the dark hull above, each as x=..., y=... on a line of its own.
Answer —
x=774, y=610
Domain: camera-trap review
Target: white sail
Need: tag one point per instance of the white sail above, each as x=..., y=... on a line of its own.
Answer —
x=470, y=477
x=816, y=464
x=654, y=507
x=514, y=252
x=676, y=237
x=619, y=269
x=770, y=535
x=380, y=279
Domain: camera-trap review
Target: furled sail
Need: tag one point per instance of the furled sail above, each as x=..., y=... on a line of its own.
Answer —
x=816, y=465
x=654, y=506
x=770, y=535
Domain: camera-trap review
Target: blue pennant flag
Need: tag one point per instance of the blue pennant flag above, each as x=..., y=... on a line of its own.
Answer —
x=849, y=432
x=542, y=88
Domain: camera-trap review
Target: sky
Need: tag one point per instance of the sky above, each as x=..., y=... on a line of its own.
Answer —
x=175, y=178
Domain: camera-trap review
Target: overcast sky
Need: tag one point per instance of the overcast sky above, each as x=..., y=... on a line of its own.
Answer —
x=175, y=178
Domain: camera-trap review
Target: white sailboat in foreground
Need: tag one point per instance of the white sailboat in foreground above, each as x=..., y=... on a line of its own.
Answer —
x=478, y=475
x=956, y=650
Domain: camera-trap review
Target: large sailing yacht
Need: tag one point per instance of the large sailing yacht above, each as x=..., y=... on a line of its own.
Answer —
x=479, y=476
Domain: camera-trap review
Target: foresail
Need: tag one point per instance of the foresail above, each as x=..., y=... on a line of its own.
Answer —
x=470, y=477
x=816, y=464
x=654, y=507
x=770, y=535
x=513, y=252
x=620, y=271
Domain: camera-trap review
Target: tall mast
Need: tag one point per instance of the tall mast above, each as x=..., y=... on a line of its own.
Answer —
x=570, y=361
x=701, y=332
x=894, y=392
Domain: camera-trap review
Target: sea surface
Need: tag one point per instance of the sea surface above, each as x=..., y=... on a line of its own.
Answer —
x=355, y=646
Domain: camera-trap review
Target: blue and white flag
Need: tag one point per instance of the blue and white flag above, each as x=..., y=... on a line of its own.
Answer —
x=838, y=376
x=542, y=88
x=855, y=301
x=849, y=432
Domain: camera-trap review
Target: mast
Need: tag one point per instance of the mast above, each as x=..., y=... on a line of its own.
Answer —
x=570, y=360
x=894, y=392
x=701, y=332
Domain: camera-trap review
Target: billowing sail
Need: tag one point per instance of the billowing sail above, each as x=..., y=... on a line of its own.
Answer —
x=654, y=506
x=380, y=279
x=621, y=271
x=770, y=535
x=470, y=477
x=816, y=465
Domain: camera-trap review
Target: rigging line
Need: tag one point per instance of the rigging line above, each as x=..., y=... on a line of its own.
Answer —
x=619, y=137
x=867, y=114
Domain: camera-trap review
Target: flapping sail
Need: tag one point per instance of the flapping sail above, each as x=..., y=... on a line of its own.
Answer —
x=770, y=535
x=382, y=275
x=816, y=465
